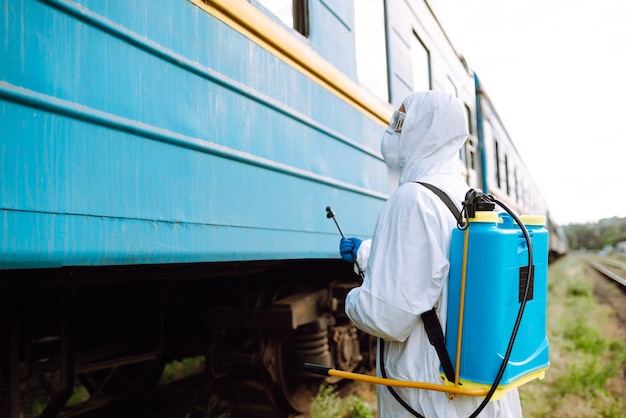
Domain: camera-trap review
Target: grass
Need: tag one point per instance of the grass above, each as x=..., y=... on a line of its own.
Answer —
x=587, y=356
x=180, y=369
x=360, y=403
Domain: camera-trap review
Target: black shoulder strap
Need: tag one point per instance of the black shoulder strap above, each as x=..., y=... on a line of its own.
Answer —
x=437, y=340
x=445, y=198
x=431, y=322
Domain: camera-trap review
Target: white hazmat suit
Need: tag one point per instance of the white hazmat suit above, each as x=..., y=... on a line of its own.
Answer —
x=406, y=269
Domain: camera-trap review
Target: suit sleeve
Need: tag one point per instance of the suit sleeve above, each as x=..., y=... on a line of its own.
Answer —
x=406, y=270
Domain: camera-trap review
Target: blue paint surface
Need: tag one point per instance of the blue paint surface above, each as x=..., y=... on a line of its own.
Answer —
x=134, y=134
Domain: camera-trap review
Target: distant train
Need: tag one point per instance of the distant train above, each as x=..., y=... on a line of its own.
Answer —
x=164, y=177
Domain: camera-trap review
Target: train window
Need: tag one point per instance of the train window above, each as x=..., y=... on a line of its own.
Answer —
x=468, y=119
x=507, y=183
x=497, y=162
x=516, y=184
x=463, y=154
x=471, y=153
x=467, y=154
x=293, y=13
x=449, y=87
x=420, y=60
x=371, y=49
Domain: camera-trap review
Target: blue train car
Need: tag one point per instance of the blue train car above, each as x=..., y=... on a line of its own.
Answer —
x=164, y=174
x=167, y=163
x=147, y=135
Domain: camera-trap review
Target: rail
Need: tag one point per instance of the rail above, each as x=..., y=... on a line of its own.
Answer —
x=609, y=267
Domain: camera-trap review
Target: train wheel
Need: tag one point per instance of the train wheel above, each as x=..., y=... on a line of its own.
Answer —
x=290, y=387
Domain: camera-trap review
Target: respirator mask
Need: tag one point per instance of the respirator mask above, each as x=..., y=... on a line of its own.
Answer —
x=390, y=148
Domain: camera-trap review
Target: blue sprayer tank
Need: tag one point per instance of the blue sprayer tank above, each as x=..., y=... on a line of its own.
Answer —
x=497, y=260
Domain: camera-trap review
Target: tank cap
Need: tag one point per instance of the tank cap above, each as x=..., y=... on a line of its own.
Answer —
x=485, y=217
x=533, y=220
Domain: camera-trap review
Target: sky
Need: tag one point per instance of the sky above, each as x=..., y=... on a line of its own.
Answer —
x=556, y=72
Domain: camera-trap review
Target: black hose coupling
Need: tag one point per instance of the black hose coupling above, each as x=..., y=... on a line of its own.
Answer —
x=476, y=200
x=316, y=369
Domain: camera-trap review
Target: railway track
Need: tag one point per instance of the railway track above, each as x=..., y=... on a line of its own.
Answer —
x=611, y=267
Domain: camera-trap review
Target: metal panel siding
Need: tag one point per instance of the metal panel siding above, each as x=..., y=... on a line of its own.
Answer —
x=402, y=77
x=401, y=81
x=194, y=145
x=407, y=19
x=332, y=33
x=127, y=200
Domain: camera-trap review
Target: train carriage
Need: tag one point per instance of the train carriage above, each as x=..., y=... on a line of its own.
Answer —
x=164, y=174
x=504, y=173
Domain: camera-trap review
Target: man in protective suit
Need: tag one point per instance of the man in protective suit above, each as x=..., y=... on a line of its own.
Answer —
x=407, y=265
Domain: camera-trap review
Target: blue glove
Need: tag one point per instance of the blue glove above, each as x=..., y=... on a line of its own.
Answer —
x=348, y=248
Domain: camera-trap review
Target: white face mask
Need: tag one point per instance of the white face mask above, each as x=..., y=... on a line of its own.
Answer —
x=390, y=149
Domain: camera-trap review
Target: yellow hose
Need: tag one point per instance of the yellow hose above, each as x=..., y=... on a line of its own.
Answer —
x=457, y=368
x=407, y=384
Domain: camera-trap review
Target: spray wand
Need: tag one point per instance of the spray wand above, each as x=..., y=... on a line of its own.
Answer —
x=331, y=214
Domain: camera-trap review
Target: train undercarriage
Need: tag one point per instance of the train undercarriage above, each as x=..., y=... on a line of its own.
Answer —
x=110, y=332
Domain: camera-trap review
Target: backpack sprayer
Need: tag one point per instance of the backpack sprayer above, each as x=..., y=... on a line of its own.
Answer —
x=495, y=281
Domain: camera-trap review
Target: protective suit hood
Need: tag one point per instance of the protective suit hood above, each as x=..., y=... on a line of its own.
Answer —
x=435, y=128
